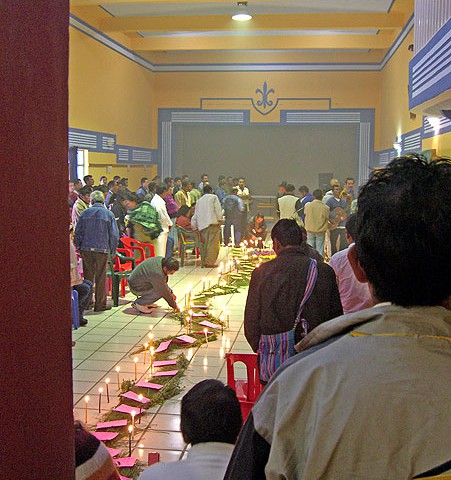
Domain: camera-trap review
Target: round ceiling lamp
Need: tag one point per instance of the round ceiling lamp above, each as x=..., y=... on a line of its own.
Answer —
x=242, y=14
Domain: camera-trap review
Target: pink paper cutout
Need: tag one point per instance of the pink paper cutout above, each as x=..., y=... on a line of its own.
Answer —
x=125, y=478
x=186, y=339
x=202, y=333
x=113, y=424
x=126, y=409
x=105, y=436
x=124, y=461
x=164, y=363
x=200, y=314
x=169, y=373
x=206, y=323
x=114, y=452
x=201, y=307
x=133, y=396
x=143, y=384
x=163, y=346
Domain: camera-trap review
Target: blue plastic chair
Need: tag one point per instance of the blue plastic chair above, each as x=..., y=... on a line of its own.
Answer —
x=74, y=307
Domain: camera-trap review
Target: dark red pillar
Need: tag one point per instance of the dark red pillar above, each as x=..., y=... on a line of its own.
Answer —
x=36, y=440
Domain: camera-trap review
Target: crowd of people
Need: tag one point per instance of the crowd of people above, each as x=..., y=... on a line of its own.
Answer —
x=353, y=352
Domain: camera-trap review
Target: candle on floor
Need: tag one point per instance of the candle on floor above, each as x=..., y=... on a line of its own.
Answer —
x=107, y=382
x=228, y=318
x=140, y=398
x=118, y=369
x=130, y=433
x=150, y=337
x=146, y=346
x=133, y=415
x=86, y=408
x=232, y=234
x=100, y=399
x=204, y=283
x=206, y=335
x=136, y=369
x=152, y=353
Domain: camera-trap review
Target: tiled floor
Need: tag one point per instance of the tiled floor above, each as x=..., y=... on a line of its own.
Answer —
x=109, y=339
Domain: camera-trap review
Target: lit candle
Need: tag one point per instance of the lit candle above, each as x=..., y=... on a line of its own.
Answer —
x=152, y=353
x=118, y=369
x=204, y=282
x=228, y=318
x=206, y=335
x=146, y=346
x=133, y=415
x=130, y=434
x=100, y=399
x=86, y=408
x=232, y=234
x=187, y=324
x=209, y=283
x=136, y=369
x=189, y=297
x=150, y=336
x=107, y=382
x=140, y=398
x=186, y=298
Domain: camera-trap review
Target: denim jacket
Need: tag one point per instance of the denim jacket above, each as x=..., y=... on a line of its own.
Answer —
x=96, y=230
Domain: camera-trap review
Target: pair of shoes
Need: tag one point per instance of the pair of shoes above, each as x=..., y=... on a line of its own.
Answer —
x=102, y=308
x=141, y=308
x=83, y=322
x=211, y=266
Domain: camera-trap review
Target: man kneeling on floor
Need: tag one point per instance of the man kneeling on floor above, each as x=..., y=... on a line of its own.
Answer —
x=210, y=421
x=149, y=282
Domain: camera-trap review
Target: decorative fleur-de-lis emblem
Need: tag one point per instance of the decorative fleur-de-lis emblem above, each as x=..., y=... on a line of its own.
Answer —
x=265, y=105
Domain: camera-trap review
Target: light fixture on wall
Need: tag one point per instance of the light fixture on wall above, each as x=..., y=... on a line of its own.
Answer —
x=397, y=145
x=242, y=14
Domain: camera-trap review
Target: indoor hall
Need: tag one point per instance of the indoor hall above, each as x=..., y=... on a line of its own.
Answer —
x=131, y=95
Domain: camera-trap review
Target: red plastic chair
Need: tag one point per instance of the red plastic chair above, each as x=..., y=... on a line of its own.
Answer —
x=139, y=247
x=248, y=390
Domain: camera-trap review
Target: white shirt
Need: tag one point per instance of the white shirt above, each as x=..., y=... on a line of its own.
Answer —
x=160, y=206
x=206, y=461
x=208, y=212
x=287, y=208
x=244, y=193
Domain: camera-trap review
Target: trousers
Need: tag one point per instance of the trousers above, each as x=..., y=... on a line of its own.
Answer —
x=94, y=270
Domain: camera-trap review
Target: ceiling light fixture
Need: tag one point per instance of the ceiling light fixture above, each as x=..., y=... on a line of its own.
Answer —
x=242, y=14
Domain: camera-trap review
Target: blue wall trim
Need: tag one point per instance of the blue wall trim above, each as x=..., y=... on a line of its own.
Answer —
x=430, y=68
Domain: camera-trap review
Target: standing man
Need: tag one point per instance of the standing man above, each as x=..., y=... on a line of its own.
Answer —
x=367, y=397
x=233, y=211
x=243, y=193
x=110, y=198
x=339, y=208
x=182, y=197
x=89, y=181
x=287, y=205
x=166, y=223
x=207, y=219
x=348, y=192
x=143, y=189
x=203, y=181
x=81, y=204
x=96, y=236
x=306, y=197
x=149, y=282
x=316, y=221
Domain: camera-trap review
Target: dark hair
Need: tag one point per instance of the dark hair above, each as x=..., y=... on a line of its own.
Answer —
x=111, y=183
x=351, y=225
x=185, y=184
x=176, y=179
x=317, y=194
x=304, y=188
x=77, y=180
x=86, y=178
x=183, y=210
x=222, y=182
x=403, y=231
x=349, y=178
x=220, y=178
x=151, y=187
x=171, y=263
x=283, y=184
x=203, y=175
x=184, y=177
x=121, y=196
x=290, y=188
x=85, y=191
x=133, y=197
x=168, y=180
x=116, y=178
x=143, y=180
x=156, y=177
x=124, y=180
x=287, y=231
x=210, y=413
x=160, y=188
x=207, y=189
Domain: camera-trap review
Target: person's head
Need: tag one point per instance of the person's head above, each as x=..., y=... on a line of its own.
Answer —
x=132, y=200
x=178, y=182
x=351, y=225
x=193, y=186
x=169, y=265
x=89, y=180
x=403, y=231
x=84, y=193
x=71, y=186
x=334, y=181
x=234, y=191
x=204, y=177
x=144, y=182
x=97, y=197
x=103, y=180
x=207, y=189
x=349, y=184
x=186, y=186
x=156, y=179
x=210, y=412
x=124, y=182
x=285, y=233
x=222, y=184
x=282, y=188
x=336, y=190
x=241, y=182
x=113, y=186
x=229, y=181
x=221, y=178
x=303, y=190
x=121, y=197
x=78, y=184
x=290, y=189
x=235, y=181
x=169, y=181
x=116, y=178
x=183, y=211
x=185, y=178
x=151, y=187
x=161, y=189
x=259, y=218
